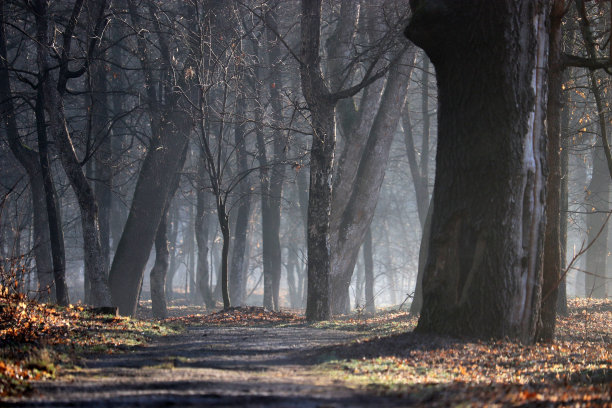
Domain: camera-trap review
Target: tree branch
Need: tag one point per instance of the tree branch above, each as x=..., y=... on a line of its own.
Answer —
x=568, y=60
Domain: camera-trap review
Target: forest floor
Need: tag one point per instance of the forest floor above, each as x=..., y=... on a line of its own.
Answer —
x=253, y=357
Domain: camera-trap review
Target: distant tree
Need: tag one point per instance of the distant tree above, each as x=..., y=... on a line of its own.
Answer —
x=321, y=101
x=38, y=179
x=54, y=90
x=171, y=122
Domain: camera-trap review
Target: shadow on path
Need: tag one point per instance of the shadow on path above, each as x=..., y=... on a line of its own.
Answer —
x=210, y=366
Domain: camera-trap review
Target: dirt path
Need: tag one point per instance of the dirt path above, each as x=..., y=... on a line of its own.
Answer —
x=210, y=366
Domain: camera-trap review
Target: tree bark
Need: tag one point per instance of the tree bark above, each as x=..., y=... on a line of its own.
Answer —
x=160, y=166
x=322, y=105
x=159, y=270
x=170, y=126
x=103, y=150
x=564, y=197
x=360, y=208
x=417, y=300
x=484, y=269
x=368, y=263
x=322, y=108
x=418, y=180
x=597, y=199
x=172, y=224
x=30, y=162
x=239, y=250
x=54, y=218
x=272, y=172
x=277, y=176
x=551, y=270
x=54, y=105
x=225, y=234
x=201, y=224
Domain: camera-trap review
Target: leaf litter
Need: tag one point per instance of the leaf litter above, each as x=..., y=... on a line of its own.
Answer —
x=425, y=370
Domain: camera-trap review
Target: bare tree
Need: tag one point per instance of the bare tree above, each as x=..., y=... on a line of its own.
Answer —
x=53, y=91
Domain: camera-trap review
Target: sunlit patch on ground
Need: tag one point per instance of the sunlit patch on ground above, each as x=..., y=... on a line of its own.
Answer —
x=36, y=337
x=386, y=357
x=576, y=369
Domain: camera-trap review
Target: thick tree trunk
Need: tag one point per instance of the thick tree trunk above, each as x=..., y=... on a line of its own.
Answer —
x=318, y=303
x=368, y=263
x=483, y=274
x=551, y=270
x=151, y=195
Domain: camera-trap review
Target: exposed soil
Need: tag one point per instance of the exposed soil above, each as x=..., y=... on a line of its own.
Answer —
x=210, y=366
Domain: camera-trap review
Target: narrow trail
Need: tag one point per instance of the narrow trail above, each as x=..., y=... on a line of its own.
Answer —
x=209, y=366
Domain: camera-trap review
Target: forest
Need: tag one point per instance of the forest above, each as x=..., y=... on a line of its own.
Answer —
x=305, y=203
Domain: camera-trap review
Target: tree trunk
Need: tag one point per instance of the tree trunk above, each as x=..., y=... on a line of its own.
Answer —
x=424, y=171
x=420, y=183
x=152, y=192
x=239, y=249
x=358, y=285
x=119, y=210
x=202, y=224
x=103, y=159
x=45, y=272
x=30, y=162
x=173, y=225
x=54, y=105
x=360, y=208
x=597, y=199
x=417, y=300
x=159, y=270
x=551, y=270
x=272, y=172
x=368, y=263
x=483, y=274
x=225, y=234
x=277, y=176
x=599, y=189
x=318, y=305
x=564, y=197
x=170, y=126
x=53, y=212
